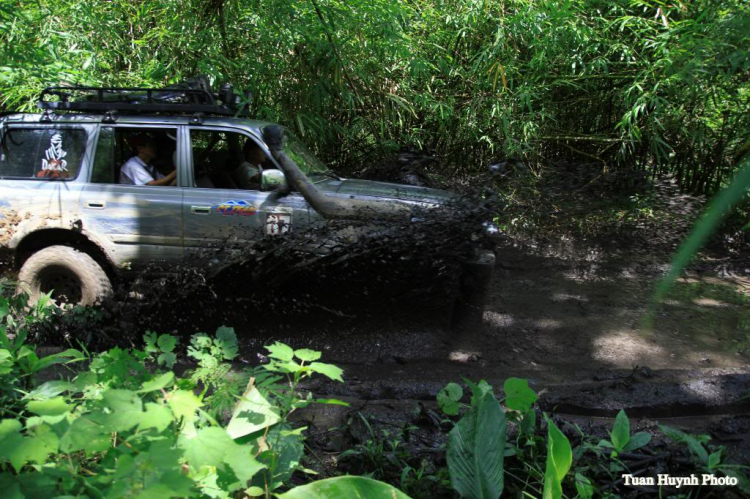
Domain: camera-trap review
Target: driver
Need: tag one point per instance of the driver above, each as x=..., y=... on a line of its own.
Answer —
x=138, y=170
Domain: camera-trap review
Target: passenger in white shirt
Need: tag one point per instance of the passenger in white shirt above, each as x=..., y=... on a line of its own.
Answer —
x=138, y=170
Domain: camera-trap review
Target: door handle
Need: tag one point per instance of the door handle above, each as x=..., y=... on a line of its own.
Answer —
x=95, y=205
x=200, y=210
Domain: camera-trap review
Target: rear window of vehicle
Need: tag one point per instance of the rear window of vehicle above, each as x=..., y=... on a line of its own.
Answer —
x=42, y=153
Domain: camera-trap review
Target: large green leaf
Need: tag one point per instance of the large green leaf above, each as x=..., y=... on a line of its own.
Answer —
x=449, y=397
x=328, y=370
x=156, y=416
x=121, y=410
x=21, y=449
x=226, y=339
x=183, y=404
x=252, y=413
x=50, y=407
x=69, y=355
x=85, y=434
x=286, y=450
x=6, y=361
x=559, y=459
x=207, y=448
x=476, y=447
x=518, y=395
x=213, y=447
x=161, y=381
x=307, y=355
x=637, y=441
x=280, y=352
x=49, y=389
x=166, y=342
x=621, y=431
x=344, y=487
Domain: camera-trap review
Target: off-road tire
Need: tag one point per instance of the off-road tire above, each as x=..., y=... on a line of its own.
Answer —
x=49, y=265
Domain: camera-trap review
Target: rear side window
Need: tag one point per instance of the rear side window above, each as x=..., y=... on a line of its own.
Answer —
x=43, y=153
x=117, y=145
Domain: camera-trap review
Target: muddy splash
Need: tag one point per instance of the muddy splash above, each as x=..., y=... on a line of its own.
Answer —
x=333, y=271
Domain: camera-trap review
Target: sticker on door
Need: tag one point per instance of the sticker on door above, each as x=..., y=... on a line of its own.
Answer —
x=279, y=221
x=236, y=207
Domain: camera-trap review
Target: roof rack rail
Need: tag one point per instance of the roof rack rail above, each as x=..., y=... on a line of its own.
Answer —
x=176, y=100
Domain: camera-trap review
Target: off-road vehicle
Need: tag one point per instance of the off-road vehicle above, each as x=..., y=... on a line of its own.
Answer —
x=72, y=228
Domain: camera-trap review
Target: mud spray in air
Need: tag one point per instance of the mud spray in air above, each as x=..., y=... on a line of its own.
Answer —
x=332, y=274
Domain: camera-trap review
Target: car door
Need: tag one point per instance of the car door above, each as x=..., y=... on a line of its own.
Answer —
x=138, y=224
x=217, y=214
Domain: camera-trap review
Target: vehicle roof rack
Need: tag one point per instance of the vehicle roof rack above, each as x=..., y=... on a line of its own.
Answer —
x=180, y=99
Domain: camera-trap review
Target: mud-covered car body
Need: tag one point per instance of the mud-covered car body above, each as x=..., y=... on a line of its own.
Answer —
x=59, y=186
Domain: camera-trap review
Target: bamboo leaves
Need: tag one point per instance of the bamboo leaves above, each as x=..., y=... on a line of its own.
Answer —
x=667, y=82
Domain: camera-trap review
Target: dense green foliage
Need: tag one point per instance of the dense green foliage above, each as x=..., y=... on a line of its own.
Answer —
x=631, y=84
x=124, y=427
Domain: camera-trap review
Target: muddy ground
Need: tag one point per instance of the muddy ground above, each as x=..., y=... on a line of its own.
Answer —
x=577, y=327
x=549, y=319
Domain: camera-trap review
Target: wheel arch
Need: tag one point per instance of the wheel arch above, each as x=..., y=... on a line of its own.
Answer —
x=44, y=238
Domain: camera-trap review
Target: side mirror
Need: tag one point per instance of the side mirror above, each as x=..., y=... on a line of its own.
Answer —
x=273, y=180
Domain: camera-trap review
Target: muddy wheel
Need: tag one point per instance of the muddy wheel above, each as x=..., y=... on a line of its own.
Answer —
x=72, y=276
x=474, y=285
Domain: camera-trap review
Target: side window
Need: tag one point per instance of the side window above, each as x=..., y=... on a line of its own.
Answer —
x=50, y=153
x=104, y=159
x=117, y=145
x=225, y=160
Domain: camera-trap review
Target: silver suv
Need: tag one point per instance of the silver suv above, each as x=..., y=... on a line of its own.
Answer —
x=72, y=226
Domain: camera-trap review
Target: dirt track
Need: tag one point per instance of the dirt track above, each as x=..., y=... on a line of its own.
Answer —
x=577, y=331
x=556, y=319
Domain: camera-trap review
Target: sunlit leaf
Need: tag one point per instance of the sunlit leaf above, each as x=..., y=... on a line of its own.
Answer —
x=559, y=459
x=159, y=382
x=328, y=370
x=307, y=355
x=252, y=413
x=280, y=351
x=344, y=487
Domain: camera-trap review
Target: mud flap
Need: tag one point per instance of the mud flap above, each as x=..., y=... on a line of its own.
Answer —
x=474, y=285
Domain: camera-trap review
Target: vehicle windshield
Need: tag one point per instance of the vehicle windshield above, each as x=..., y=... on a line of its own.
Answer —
x=305, y=159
